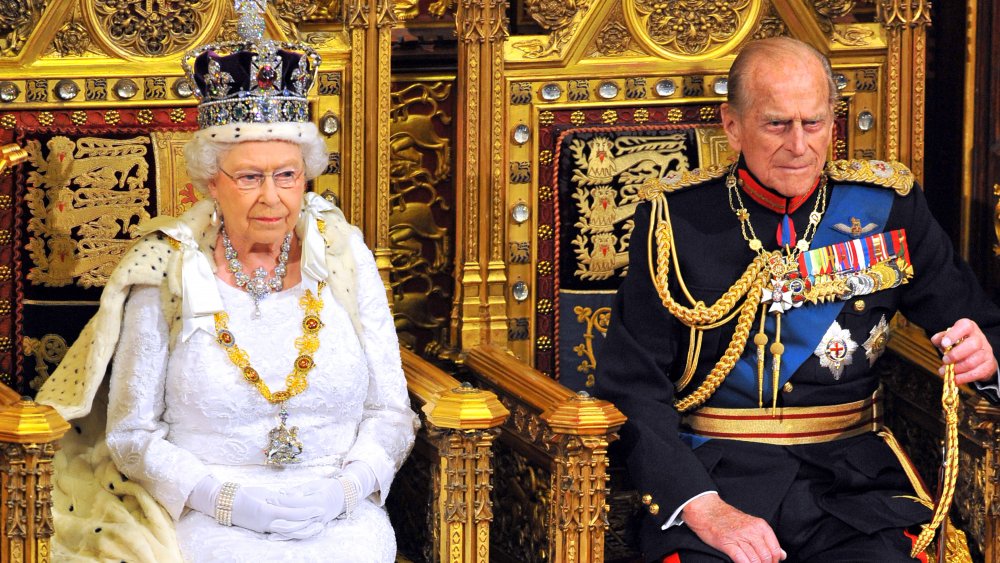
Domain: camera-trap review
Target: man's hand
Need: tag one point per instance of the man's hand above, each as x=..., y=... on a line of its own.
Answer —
x=744, y=538
x=972, y=354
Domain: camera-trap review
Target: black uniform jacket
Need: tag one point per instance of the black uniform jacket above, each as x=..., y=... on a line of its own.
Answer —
x=645, y=351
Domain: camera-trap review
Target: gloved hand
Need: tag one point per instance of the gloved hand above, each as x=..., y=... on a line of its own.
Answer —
x=329, y=494
x=260, y=509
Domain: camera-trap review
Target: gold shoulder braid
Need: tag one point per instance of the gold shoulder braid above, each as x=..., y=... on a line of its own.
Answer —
x=893, y=174
x=677, y=179
x=701, y=318
x=283, y=443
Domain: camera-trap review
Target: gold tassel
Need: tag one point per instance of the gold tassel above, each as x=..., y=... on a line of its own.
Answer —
x=760, y=339
x=777, y=349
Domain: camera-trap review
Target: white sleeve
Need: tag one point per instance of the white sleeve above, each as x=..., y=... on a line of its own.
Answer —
x=386, y=432
x=675, y=518
x=136, y=432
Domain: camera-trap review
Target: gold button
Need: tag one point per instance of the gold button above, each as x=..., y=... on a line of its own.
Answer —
x=654, y=509
x=647, y=498
x=788, y=388
x=859, y=305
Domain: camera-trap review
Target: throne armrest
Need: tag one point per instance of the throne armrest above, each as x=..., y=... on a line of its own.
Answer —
x=29, y=438
x=461, y=423
x=566, y=432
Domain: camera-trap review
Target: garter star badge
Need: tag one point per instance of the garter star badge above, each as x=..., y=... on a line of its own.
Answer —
x=877, y=339
x=836, y=349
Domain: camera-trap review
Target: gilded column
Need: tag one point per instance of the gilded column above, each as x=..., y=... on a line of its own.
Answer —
x=358, y=17
x=463, y=422
x=894, y=19
x=379, y=122
x=496, y=277
x=29, y=433
x=583, y=428
x=920, y=19
x=469, y=318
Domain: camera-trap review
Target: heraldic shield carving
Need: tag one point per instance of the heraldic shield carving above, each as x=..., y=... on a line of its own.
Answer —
x=597, y=174
x=84, y=197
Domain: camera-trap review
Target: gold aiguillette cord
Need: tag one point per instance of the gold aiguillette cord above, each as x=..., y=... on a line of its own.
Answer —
x=949, y=402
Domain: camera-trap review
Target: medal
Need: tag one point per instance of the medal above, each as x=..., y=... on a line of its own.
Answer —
x=283, y=445
x=836, y=350
x=877, y=340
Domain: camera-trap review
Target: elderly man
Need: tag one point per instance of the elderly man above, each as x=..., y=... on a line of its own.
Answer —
x=742, y=340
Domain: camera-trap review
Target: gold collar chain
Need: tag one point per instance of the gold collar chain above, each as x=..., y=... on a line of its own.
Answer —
x=283, y=444
x=779, y=268
x=784, y=286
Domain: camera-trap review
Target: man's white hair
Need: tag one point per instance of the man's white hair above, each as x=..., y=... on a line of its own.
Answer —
x=203, y=152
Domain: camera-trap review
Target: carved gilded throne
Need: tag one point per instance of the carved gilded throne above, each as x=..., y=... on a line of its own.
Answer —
x=94, y=92
x=557, y=132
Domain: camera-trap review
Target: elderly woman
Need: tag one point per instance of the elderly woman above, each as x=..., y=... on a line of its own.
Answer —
x=256, y=391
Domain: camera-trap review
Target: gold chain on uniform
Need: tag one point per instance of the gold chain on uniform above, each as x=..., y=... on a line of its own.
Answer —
x=307, y=344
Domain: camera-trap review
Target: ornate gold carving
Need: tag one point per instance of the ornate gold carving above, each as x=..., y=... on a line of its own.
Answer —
x=327, y=11
x=900, y=13
x=593, y=321
x=853, y=36
x=691, y=29
x=18, y=19
x=420, y=162
x=559, y=18
x=465, y=478
x=613, y=39
x=29, y=433
x=47, y=350
x=151, y=28
x=72, y=39
x=771, y=25
x=74, y=230
x=583, y=428
x=598, y=162
x=522, y=511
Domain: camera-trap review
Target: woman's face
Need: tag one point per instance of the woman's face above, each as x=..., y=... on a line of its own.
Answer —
x=259, y=187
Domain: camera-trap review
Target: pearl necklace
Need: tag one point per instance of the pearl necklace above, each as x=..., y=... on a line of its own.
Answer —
x=257, y=286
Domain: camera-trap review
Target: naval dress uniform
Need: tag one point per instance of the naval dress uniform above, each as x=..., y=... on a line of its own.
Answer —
x=826, y=482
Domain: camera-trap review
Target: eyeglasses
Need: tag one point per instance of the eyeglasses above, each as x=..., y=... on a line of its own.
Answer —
x=254, y=180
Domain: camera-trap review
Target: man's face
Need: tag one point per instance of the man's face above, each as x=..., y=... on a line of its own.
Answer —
x=785, y=129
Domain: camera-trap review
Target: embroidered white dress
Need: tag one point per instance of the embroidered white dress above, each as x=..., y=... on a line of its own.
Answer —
x=177, y=415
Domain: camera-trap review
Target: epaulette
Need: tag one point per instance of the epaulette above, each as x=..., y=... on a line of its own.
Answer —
x=893, y=174
x=678, y=179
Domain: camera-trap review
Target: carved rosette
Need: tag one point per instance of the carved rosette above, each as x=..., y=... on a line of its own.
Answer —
x=771, y=25
x=692, y=29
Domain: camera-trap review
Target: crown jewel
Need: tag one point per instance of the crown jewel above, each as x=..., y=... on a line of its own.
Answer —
x=253, y=80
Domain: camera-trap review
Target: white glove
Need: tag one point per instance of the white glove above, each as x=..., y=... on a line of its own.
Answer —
x=329, y=495
x=259, y=509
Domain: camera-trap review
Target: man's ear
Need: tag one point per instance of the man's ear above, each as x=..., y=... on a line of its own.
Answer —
x=731, y=125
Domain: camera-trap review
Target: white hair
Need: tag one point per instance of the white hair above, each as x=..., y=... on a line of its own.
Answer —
x=203, y=152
